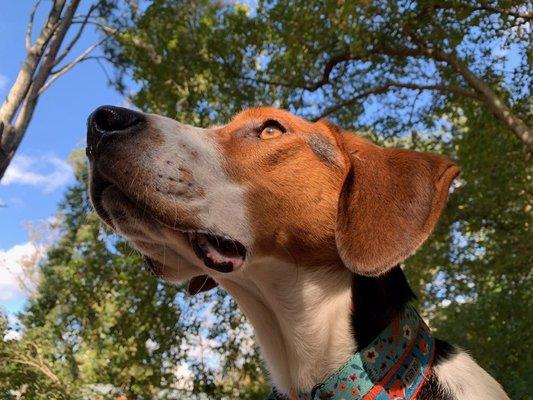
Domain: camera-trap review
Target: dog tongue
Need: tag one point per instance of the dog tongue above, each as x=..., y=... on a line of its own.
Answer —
x=221, y=255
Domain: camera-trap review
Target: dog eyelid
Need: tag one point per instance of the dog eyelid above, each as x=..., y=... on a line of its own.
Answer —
x=271, y=123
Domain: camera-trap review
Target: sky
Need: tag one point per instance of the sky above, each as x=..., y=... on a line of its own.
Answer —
x=38, y=175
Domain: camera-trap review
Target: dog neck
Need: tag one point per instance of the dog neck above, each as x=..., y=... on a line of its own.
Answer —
x=309, y=321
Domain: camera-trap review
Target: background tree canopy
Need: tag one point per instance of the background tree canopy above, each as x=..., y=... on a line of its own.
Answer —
x=448, y=76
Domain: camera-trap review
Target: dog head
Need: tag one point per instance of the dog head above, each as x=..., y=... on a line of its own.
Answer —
x=266, y=185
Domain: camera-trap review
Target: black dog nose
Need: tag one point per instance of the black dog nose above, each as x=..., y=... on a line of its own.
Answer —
x=110, y=120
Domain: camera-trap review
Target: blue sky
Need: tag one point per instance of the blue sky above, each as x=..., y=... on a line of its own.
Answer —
x=39, y=174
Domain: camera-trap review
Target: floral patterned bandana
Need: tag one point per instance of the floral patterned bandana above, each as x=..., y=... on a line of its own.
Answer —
x=394, y=366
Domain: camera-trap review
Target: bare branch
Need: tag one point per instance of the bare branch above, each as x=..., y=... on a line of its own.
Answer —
x=22, y=83
x=46, y=65
x=381, y=89
x=77, y=36
x=30, y=25
x=37, y=71
x=39, y=367
x=63, y=70
x=527, y=16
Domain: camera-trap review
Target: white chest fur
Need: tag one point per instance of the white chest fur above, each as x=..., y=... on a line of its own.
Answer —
x=301, y=319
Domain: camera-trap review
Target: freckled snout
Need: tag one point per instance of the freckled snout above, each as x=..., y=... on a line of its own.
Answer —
x=164, y=185
x=110, y=123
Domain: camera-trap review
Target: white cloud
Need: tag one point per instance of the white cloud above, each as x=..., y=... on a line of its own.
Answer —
x=17, y=269
x=12, y=335
x=3, y=82
x=48, y=172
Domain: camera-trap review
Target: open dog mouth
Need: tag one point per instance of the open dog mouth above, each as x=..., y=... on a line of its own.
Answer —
x=217, y=252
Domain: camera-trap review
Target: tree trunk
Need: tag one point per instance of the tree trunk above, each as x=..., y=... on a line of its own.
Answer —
x=487, y=95
x=39, y=70
x=495, y=104
x=7, y=155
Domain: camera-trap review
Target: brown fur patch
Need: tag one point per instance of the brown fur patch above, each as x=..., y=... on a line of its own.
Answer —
x=292, y=194
x=389, y=203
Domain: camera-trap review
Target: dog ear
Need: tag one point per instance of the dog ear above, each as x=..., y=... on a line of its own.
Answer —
x=390, y=202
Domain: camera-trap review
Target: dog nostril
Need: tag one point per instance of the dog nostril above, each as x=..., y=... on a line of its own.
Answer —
x=110, y=120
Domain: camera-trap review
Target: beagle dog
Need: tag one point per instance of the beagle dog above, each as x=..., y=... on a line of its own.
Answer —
x=305, y=226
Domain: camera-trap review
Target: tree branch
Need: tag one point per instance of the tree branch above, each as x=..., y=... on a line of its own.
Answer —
x=494, y=103
x=330, y=64
x=45, y=67
x=40, y=367
x=333, y=109
x=381, y=89
x=494, y=10
x=67, y=67
x=136, y=40
x=77, y=36
x=30, y=25
x=483, y=91
x=36, y=74
x=22, y=83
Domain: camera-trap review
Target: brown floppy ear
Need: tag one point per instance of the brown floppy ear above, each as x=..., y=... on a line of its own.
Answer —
x=390, y=202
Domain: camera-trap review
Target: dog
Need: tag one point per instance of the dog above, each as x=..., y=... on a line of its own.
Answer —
x=305, y=226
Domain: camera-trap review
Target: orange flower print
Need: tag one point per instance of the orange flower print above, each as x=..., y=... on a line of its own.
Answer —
x=354, y=392
x=424, y=346
x=396, y=390
x=342, y=387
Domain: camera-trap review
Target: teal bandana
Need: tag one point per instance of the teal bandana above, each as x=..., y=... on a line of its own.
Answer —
x=394, y=366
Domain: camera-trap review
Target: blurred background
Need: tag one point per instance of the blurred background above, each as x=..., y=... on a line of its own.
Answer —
x=81, y=319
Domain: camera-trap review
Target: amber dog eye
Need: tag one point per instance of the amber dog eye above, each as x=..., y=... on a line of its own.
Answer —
x=270, y=133
x=271, y=130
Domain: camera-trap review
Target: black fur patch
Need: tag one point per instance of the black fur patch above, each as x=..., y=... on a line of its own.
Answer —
x=376, y=301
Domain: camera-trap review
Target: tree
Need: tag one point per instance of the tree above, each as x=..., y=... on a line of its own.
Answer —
x=451, y=77
x=330, y=58
x=44, y=63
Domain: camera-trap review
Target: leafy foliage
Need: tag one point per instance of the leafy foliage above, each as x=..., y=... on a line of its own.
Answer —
x=202, y=61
